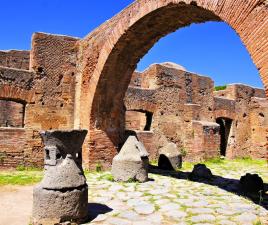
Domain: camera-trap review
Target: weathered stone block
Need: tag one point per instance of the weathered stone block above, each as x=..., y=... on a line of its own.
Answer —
x=132, y=162
x=170, y=157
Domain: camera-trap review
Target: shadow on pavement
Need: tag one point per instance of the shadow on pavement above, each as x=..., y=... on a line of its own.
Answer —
x=227, y=184
x=95, y=209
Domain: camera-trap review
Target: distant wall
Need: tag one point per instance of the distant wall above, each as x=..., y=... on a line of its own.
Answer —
x=15, y=59
x=185, y=110
x=12, y=144
x=11, y=114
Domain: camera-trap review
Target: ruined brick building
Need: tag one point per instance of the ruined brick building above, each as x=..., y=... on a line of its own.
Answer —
x=70, y=83
x=165, y=104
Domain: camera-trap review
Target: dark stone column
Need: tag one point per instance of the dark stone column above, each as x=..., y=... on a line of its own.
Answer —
x=62, y=195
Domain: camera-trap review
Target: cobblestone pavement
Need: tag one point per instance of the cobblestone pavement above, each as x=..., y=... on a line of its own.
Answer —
x=165, y=200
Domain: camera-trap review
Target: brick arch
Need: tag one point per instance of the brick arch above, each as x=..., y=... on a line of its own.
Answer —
x=224, y=114
x=141, y=106
x=16, y=94
x=110, y=53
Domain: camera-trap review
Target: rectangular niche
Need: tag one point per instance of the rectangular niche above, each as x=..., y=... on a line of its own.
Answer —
x=11, y=113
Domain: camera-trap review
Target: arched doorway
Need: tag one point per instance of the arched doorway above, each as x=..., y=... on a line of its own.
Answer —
x=110, y=53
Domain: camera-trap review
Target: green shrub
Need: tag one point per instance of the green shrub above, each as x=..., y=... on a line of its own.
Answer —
x=220, y=88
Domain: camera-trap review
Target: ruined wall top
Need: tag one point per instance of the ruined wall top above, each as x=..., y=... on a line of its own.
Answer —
x=15, y=59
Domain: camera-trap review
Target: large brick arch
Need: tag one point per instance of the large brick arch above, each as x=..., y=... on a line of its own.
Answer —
x=108, y=56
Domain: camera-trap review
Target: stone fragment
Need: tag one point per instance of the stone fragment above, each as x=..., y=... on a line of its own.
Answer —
x=132, y=162
x=251, y=183
x=62, y=195
x=170, y=157
x=201, y=171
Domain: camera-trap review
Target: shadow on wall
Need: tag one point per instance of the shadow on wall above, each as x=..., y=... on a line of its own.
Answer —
x=227, y=184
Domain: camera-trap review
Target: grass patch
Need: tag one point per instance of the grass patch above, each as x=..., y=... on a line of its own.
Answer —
x=106, y=176
x=153, y=162
x=250, y=161
x=28, y=168
x=187, y=166
x=20, y=177
x=214, y=161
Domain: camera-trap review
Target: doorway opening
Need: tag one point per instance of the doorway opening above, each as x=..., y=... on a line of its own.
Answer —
x=225, y=128
x=138, y=120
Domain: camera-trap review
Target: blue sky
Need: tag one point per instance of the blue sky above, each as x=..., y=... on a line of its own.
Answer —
x=211, y=49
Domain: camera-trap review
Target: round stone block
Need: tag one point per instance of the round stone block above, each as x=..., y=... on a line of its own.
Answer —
x=54, y=206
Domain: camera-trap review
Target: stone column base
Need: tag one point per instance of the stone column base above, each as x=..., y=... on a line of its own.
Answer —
x=55, y=206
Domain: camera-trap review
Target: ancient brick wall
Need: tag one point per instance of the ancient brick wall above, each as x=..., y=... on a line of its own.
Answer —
x=206, y=141
x=186, y=109
x=178, y=97
x=259, y=126
x=246, y=138
x=16, y=93
x=15, y=59
x=47, y=93
x=11, y=114
x=135, y=120
x=12, y=144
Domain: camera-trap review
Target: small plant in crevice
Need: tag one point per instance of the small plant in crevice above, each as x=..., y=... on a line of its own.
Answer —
x=157, y=207
x=257, y=222
x=183, y=152
x=132, y=180
x=153, y=162
x=20, y=167
x=3, y=155
x=192, y=133
x=98, y=167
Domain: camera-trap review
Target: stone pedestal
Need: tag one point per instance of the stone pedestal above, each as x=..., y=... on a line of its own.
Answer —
x=132, y=162
x=170, y=157
x=62, y=195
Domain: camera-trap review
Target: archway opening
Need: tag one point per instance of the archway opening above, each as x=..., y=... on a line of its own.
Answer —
x=225, y=128
x=129, y=40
